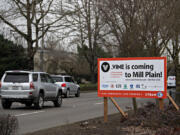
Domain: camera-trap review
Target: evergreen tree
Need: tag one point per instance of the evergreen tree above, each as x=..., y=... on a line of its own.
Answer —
x=12, y=56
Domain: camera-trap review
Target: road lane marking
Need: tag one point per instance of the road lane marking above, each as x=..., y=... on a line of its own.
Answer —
x=99, y=103
x=24, y=114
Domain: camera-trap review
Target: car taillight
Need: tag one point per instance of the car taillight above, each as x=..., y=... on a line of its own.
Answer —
x=63, y=85
x=31, y=85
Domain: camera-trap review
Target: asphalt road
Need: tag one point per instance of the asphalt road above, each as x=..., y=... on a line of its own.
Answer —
x=74, y=109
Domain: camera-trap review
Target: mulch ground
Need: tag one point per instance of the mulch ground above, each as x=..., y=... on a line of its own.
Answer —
x=148, y=120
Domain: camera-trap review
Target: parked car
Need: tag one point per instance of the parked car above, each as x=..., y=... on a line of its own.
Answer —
x=69, y=87
x=171, y=82
x=29, y=88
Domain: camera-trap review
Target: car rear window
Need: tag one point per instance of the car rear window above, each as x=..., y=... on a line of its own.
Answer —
x=16, y=77
x=67, y=79
x=58, y=79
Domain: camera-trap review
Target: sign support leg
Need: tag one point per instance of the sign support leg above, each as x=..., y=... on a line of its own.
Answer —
x=173, y=102
x=105, y=109
x=118, y=107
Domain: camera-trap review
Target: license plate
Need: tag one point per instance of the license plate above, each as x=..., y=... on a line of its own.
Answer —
x=16, y=88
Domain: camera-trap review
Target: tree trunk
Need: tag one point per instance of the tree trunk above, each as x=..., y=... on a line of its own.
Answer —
x=30, y=52
x=30, y=62
x=93, y=77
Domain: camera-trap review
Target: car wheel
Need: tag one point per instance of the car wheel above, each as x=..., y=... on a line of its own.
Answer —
x=58, y=101
x=28, y=104
x=40, y=103
x=67, y=93
x=6, y=104
x=78, y=93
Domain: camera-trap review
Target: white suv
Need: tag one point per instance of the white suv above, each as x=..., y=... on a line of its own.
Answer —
x=69, y=87
x=29, y=88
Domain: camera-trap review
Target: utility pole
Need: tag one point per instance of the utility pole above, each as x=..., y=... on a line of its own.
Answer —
x=42, y=46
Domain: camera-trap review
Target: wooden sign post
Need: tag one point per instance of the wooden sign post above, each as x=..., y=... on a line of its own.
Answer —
x=125, y=115
x=105, y=109
x=161, y=104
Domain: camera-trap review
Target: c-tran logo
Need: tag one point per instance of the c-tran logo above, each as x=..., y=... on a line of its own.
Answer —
x=160, y=94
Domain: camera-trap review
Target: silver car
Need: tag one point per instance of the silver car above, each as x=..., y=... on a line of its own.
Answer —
x=66, y=82
x=29, y=88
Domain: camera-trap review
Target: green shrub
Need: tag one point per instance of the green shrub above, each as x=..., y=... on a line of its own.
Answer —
x=88, y=87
